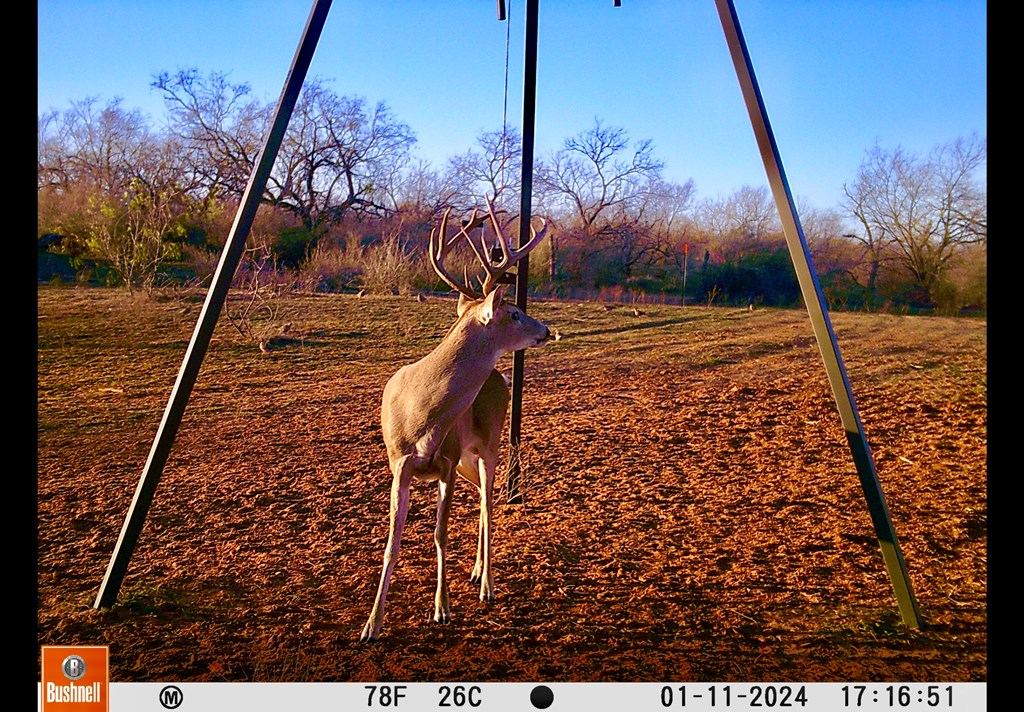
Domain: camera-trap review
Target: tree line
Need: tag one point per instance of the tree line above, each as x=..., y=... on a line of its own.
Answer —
x=349, y=206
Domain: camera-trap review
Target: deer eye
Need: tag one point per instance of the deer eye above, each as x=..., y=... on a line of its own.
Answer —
x=515, y=316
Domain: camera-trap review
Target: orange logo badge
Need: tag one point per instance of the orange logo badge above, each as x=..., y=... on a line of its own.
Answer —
x=75, y=678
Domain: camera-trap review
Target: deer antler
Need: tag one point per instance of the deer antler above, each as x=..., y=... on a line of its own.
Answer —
x=439, y=247
x=509, y=257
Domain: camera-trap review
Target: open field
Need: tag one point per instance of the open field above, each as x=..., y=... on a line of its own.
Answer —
x=693, y=511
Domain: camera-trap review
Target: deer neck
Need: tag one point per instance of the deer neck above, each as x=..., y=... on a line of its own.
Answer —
x=466, y=356
x=456, y=369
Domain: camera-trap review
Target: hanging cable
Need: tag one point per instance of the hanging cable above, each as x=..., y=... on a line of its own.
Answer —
x=504, y=105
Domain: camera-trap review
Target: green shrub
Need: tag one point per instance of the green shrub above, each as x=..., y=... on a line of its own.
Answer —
x=292, y=247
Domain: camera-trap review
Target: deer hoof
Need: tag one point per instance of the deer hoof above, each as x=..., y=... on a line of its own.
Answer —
x=369, y=634
x=442, y=617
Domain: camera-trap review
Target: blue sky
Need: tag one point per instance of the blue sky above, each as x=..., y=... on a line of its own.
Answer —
x=836, y=76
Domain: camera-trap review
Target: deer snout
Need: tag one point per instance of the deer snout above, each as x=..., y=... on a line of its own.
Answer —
x=545, y=337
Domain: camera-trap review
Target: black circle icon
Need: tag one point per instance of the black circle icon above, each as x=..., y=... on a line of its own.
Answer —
x=541, y=697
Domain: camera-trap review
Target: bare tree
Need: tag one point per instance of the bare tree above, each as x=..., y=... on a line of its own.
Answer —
x=960, y=200
x=98, y=146
x=50, y=153
x=920, y=212
x=837, y=260
x=673, y=230
x=339, y=155
x=741, y=224
x=825, y=234
x=597, y=172
x=643, y=233
x=61, y=199
x=494, y=169
x=423, y=189
x=870, y=200
x=599, y=182
x=219, y=124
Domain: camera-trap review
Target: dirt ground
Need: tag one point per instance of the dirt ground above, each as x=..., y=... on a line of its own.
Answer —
x=692, y=511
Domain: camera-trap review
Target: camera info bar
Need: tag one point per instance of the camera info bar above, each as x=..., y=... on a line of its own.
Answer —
x=522, y=697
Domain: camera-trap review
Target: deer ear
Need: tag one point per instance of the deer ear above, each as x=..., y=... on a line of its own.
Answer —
x=463, y=304
x=491, y=302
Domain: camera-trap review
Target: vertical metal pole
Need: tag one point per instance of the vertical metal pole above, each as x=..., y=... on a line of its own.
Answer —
x=230, y=257
x=514, y=493
x=818, y=312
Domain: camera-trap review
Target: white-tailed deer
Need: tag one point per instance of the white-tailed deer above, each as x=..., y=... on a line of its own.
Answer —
x=443, y=415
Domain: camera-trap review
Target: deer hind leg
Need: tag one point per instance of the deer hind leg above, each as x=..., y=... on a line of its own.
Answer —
x=445, y=489
x=401, y=486
x=482, y=569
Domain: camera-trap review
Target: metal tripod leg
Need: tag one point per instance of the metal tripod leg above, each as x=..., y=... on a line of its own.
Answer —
x=230, y=257
x=816, y=309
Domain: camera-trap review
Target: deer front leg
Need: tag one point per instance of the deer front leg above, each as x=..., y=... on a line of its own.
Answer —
x=482, y=569
x=445, y=489
x=400, y=490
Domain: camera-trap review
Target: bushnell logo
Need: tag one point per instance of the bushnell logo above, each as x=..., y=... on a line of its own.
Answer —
x=73, y=667
x=75, y=678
